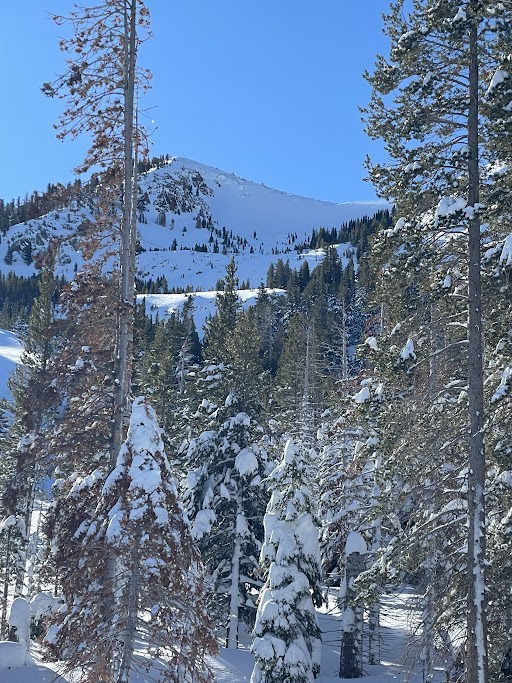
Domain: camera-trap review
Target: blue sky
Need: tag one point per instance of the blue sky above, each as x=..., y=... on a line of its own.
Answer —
x=268, y=90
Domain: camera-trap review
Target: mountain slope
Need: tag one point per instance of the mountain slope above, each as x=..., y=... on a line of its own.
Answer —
x=192, y=219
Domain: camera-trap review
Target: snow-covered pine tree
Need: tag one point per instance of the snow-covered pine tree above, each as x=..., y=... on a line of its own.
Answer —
x=416, y=413
x=226, y=502
x=350, y=495
x=83, y=369
x=498, y=261
x=34, y=411
x=343, y=490
x=158, y=592
x=227, y=460
x=499, y=495
x=286, y=636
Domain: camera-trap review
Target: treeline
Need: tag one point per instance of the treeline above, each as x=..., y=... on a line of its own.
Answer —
x=145, y=165
x=356, y=231
x=55, y=196
x=337, y=279
x=37, y=204
x=17, y=295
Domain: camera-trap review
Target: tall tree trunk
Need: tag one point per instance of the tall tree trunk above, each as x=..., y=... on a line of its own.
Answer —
x=476, y=655
x=427, y=619
x=374, y=614
x=124, y=350
x=351, y=655
x=127, y=244
x=307, y=413
x=234, y=591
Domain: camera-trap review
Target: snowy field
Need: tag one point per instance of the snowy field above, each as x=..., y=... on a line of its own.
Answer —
x=399, y=663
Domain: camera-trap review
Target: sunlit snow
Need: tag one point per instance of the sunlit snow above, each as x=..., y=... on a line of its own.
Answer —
x=10, y=355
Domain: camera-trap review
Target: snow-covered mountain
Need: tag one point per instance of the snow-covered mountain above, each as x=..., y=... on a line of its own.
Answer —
x=192, y=219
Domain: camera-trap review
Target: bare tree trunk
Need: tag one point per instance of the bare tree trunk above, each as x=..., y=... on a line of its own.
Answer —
x=374, y=614
x=476, y=655
x=131, y=605
x=127, y=244
x=232, y=635
x=124, y=350
x=427, y=655
x=351, y=664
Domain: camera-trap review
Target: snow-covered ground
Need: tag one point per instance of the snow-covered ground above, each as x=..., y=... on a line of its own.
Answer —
x=399, y=664
x=10, y=354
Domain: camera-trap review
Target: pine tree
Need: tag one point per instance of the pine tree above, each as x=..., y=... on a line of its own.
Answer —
x=226, y=458
x=99, y=87
x=83, y=374
x=270, y=328
x=226, y=501
x=34, y=412
x=300, y=387
x=286, y=637
x=227, y=305
x=246, y=377
x=429, y=107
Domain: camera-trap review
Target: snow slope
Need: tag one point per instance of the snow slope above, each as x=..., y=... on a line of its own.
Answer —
x=194, y=205
x=10, y=354
x=163, y=305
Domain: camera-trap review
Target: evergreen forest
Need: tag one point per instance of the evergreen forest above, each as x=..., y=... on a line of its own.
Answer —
x=169, y=489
